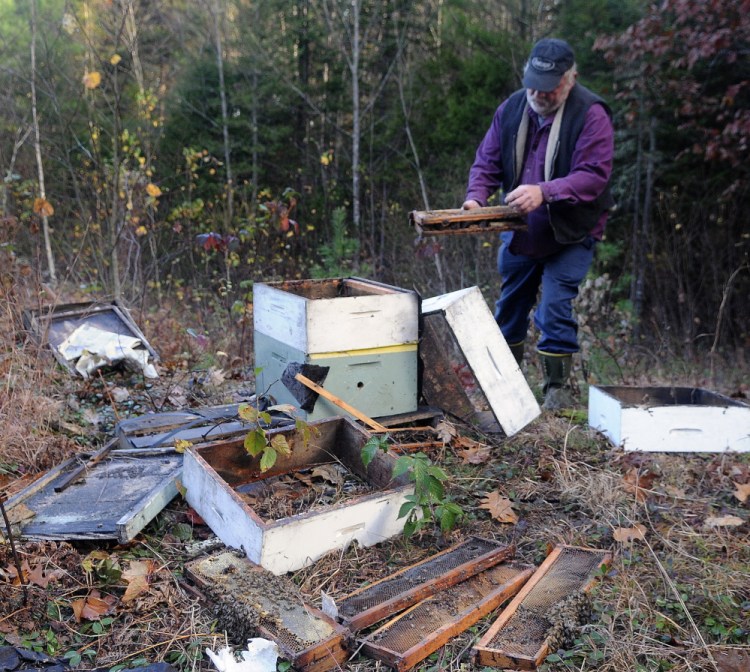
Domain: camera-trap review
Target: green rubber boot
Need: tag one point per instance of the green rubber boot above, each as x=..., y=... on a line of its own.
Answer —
x=517, y=351
x=556, y=390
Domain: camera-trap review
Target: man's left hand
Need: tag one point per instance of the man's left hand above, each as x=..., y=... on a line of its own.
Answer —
x=525, y=198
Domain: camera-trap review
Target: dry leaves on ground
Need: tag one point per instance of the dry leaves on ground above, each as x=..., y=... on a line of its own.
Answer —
x=500, y=508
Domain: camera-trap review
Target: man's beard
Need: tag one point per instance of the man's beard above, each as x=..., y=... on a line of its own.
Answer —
x=543, y=107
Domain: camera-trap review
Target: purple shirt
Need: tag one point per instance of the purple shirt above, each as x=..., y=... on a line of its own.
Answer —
x=591, y=166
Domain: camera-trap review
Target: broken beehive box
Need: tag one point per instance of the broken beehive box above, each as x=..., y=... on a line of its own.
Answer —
x=365, y=333
x=468, y=368
x=430, y=624
x=669, y=419
x=86, y=336
x=530, y=627
x=249, y=509
x=382, y=599
x=249, y=601
x=197, y=425
x=113, y=499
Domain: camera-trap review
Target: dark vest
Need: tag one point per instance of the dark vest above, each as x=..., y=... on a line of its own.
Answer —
x=570, y=223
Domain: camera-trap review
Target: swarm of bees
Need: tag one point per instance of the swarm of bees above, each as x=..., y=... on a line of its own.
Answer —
x=566, y=618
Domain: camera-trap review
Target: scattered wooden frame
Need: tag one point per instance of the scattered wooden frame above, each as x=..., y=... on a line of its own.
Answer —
x=382, y=599
x=430, y=624
x=308, y=638
x=524, y=618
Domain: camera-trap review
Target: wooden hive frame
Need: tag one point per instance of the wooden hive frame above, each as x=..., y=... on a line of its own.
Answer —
x=430, y=624
x=400, y=590
x=489, y=652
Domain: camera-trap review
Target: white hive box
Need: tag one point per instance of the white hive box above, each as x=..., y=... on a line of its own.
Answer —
x=217, y=477
x=669, y=419
x=468, y=368
x=365, y=332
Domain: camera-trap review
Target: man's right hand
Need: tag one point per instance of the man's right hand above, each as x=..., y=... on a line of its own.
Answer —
x=470, y=205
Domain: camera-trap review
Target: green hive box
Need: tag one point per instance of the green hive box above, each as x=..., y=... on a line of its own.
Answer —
x=365, y=332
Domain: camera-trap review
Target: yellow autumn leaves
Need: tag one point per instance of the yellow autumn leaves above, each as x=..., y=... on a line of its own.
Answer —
x=93, y=79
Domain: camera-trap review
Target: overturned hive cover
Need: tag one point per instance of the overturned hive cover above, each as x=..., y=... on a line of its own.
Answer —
x=468, y=368
x=67, y=328
x=224, y=484
x=522, y=637
x=114, y=499
x=250, y=601
x=423, y=629
x=408, y=586
x=669, y=419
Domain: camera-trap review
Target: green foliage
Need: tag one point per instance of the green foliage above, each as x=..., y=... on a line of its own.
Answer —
x=339, y=256
x=429, y=504
x=257, y=441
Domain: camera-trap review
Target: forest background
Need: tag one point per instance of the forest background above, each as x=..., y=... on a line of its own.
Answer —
x=171, y=153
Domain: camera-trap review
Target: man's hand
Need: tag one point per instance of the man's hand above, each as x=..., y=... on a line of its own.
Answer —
x=525, y=198
x=470, y=205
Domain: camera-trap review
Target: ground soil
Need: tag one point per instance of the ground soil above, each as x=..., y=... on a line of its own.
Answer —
x=675, y=597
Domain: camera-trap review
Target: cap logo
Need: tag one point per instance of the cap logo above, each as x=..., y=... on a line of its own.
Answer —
x=542, y=64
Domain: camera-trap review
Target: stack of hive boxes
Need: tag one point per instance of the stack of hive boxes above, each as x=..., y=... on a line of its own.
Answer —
x=365, y=332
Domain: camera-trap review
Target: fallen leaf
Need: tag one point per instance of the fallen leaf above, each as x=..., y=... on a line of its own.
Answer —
x=742, y=491
x=93, y=607
x=627, y=534
x=637, y=483
x=500, y=508
x=733, y=660
x=445, y=431
x=478, y=455
x=473, y=452
x=329, y=473
x=39, y=577
x=194, y=517
x=137, y=575
x=723, y=521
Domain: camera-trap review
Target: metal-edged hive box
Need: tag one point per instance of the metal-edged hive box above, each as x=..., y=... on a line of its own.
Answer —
x=221, y=477
x=365, y=332
x=669, y=419
x=468, y=368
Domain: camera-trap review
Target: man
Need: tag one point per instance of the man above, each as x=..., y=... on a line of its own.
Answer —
x=550, y=149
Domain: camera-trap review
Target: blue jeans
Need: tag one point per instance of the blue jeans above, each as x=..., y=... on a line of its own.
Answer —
x=559, y=276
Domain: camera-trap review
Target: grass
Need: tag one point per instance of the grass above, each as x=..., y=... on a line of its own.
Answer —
x=677, y=600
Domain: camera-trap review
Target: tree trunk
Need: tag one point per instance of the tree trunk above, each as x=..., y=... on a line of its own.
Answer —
x=217, y=17
x=38, y=152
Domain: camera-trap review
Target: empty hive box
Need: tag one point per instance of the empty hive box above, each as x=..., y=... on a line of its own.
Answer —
x=669, y=419
x=364, y=332
x=315, y=499
x=528, y=629
x=248, y=601
x=468, y=368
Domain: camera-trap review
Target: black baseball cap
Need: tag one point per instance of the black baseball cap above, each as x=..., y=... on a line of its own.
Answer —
x=549, y=60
